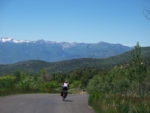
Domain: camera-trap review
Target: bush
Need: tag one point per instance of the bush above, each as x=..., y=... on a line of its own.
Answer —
x=27, y=83
x=75, y=84
x=98, y=84
x=49, y=86
x=7, y=81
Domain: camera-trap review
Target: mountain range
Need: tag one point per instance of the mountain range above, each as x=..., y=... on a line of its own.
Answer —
x=12, y=51
x=35, y=66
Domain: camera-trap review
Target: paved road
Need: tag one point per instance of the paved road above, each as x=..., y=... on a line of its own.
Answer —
x=44, y=103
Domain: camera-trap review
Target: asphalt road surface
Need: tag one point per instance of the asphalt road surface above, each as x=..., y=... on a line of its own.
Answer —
x=44, y=103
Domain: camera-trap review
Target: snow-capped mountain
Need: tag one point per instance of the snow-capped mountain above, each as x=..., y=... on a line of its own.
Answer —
x=63, y=44
x=13, y=41
x=12, y=50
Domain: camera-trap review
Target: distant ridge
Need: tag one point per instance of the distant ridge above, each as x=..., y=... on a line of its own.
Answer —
x=69, y=65
x=12, y=51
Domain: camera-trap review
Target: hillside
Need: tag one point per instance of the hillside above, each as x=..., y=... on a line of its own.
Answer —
x=68, y=65
x=12, y=51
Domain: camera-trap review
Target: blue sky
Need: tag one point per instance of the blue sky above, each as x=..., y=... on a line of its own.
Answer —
x=89, y=21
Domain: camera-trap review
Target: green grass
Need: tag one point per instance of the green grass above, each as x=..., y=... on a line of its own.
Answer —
x=119, y=104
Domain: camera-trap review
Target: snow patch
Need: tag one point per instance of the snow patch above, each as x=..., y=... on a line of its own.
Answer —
x=6, y=39
x=14, y=41
x=63, y=44
x=67, y=44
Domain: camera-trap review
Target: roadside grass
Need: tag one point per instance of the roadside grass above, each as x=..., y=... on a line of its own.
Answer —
x=119, y=104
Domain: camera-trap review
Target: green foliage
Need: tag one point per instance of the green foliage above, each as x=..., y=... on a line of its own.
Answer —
x=23, y=82
x=97, y=84
x=59, y=77
x=114, y=81
x=43, y=81
x=124, y=89
x=75, y=84
x=45, y=76
x=138, y=68
x=6, y=84
x=7, y=81
x=18, y=75
x=26, y=84
x=50, y=86
x=82, y=75
x=104, y=103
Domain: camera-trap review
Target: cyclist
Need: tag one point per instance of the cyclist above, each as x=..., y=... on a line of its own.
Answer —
x=65, y=87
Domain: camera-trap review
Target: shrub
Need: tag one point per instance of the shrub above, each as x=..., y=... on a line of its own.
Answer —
x=7, y=81
x=49, y=86
x=75, y=84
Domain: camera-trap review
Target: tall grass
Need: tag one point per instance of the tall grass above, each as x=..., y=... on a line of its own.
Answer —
x=118, y=103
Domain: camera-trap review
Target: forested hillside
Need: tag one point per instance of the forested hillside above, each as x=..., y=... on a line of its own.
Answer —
x=66, y=66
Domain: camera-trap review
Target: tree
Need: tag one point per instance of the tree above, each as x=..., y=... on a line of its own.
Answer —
x=45, y=75
x=138, y=68
x=18, y=75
